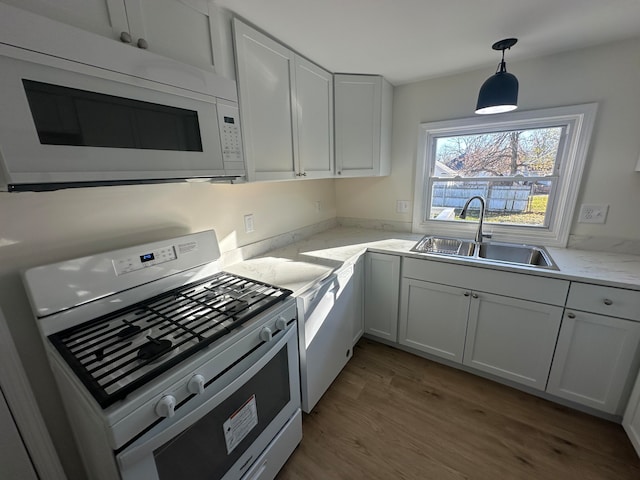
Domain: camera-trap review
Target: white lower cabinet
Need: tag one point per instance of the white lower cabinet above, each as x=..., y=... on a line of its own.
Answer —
x=471, y=316
x=512, y=338
x=381, y=289
x=507, y=337
x=631, y=419
x=433, y=318
x=357, y=326
x=594, y=360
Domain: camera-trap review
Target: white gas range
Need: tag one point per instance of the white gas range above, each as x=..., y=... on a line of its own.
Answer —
x=168, y=367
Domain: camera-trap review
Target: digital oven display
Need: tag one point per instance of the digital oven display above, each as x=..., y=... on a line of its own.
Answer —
x=229, y=120
x=147, y=257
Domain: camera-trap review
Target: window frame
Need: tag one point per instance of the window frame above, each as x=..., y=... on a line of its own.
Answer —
x=578, y=121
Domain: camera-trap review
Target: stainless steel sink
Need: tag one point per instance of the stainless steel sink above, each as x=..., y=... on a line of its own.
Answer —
x=519, y=254
x=444, y=246
x=508, y=253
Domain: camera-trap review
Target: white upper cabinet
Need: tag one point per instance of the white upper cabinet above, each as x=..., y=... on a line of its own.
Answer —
x=91, y=15
x=264, y=88
x=178, y=29
x=314, y=114
x=363, y=105
x=286, y=104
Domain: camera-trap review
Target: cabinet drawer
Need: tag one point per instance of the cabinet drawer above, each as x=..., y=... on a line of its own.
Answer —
x=528, y=287
x=615, y=302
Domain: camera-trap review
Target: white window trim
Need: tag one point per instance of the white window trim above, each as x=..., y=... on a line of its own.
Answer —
x=580, y=120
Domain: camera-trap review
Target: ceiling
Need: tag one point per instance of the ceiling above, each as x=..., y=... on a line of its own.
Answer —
x=411, y=40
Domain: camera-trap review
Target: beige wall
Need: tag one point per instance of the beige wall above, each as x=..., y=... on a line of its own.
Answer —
x=46, y=227
x=609, y=75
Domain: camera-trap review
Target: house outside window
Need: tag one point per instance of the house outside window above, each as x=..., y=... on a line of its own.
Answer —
x=526, y=165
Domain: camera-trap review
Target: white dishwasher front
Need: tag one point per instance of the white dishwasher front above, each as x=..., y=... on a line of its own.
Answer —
x=325, y=317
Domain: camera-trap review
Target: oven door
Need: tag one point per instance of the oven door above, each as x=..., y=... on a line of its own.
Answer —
x=222, y=435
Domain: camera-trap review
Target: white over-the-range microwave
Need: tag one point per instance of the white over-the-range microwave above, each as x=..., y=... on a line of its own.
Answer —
x=82, y=110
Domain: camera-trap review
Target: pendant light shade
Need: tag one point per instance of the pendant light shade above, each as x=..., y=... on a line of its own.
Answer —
x=499, y=93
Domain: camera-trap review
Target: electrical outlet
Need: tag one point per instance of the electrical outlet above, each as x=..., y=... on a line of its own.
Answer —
x=318, y=205
x=593, y=213
x=248, y=223
x=402, y=206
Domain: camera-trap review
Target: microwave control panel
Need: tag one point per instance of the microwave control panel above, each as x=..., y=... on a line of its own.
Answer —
x=230, y=137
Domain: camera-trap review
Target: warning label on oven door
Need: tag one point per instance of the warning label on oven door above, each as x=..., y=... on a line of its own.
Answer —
x=240, y=423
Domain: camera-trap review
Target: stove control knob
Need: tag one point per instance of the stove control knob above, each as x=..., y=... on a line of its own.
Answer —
x=281, y=323
x=166, y=406
x=266, y=334
x=196, y=385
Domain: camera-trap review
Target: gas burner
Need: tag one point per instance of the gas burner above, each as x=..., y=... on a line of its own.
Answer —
x=128, y=332
x=153, y=349
x=235, y=307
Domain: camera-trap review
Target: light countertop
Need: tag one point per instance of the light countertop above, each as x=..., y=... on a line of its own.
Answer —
x=302, y=264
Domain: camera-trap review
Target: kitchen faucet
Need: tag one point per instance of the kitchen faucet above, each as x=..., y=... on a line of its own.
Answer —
x=463, y=215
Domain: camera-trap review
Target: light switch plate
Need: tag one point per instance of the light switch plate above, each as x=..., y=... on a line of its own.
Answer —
x=402, y=206
x=592, y=213
x=248, y=223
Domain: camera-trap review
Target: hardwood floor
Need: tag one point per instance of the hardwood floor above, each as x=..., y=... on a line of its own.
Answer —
x=393, y=415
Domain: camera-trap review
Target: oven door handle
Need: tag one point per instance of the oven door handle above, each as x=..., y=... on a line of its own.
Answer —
x=152, y=440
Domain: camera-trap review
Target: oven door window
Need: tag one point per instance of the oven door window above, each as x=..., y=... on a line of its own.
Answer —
x=74, y=117
x=204, y=451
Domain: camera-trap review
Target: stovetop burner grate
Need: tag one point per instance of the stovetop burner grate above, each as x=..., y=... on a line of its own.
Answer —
x=116, y=354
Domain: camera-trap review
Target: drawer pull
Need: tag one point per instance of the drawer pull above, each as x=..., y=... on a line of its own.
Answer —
x=571, y=315
x=608, y=301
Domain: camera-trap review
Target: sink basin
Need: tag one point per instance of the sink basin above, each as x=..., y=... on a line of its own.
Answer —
x=444, y=246
x=510, y=253
x=519, y=254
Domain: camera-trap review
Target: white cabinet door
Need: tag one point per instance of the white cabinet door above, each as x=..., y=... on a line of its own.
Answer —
x=363, y=125
x=264, y=88
x=433, y=318
x=512, y=338
x=358, y=301
x=314, y=116
x=91, y=15
x=594, y=359
x=631, y=419
x=381, y=291
x=178, y=29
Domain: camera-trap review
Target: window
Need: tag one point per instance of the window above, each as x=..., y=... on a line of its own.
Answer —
x=526, y=165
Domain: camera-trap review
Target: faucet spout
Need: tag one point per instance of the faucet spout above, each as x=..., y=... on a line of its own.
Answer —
x=463, y=214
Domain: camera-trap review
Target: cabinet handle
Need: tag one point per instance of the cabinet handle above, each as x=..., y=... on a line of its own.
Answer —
x=608, y=301
x=339, y=173
x=125, y=37
x=475, y=295
x=466, y=294
x=143, y=44
x=571, y=315
x=304, y=174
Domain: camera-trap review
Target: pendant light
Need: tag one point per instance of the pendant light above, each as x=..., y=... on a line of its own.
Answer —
x=499, y=93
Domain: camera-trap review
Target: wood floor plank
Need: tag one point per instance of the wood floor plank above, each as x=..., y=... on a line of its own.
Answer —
x=393, y=415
